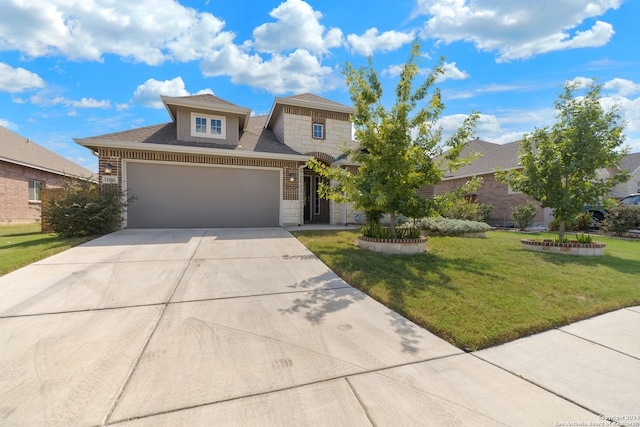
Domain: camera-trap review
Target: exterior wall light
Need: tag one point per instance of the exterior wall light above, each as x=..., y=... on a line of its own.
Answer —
x=292, y=177
x=108, y=169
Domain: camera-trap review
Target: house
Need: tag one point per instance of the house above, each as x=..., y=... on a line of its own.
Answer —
x=501, y=196
x=25, y=169
x=216, y=165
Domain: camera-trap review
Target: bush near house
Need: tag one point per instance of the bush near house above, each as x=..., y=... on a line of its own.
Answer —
x=522, y=215
x=84, y=209
x=452, y=227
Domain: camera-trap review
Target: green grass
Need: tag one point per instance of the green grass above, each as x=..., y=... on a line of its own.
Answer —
x=476, y=293
x=23, y=244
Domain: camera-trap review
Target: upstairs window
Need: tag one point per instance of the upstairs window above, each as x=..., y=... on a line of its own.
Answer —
x=34, y=191
x=216, y=126
x=206, y=126
x=201, y=125
x=318, y=131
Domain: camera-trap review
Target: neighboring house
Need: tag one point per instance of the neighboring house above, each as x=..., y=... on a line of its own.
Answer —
x=505, y=157
x=215, y=165
x=25, y=169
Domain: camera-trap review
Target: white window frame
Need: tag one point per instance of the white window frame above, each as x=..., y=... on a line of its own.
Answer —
x=208, y=132
x=36, y=190
x=313, y=130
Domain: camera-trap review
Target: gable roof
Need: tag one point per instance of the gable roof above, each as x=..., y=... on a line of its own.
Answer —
x=21, y=151
x=494, y=156
x=306, y=100
x=506, y=156
x=207, y=102
x=254, y=139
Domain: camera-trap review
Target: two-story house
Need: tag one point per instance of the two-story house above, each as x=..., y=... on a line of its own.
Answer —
x=215, y=165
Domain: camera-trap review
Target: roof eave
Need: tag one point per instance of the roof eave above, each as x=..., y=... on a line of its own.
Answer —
x=92, y=144
x=41, y=168
x=179, y=102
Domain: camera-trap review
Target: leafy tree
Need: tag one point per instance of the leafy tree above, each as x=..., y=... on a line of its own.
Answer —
x=559, y=165
x=397, y=146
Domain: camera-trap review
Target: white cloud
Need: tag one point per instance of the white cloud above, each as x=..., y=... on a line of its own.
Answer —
x=46, y=98
x=451, y=72
x=297, y=72
x=371, y=41
x=150, y=31
x=148, y=93
x=297, y=27
x=14, y=80
x=517, y=29
x=624, y=87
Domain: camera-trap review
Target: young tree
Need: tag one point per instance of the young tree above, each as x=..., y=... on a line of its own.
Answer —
x=560, y=165
x=397, y=146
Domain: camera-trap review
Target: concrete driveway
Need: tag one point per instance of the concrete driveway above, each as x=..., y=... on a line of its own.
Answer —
x=247, y=327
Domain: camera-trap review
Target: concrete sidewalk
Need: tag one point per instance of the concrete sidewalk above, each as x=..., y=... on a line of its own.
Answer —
x=247, y=327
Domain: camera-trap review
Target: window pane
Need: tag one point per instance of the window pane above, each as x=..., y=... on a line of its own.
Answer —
x=201, y=125
x=317, y=130
x=34, y=190
x=216, y=127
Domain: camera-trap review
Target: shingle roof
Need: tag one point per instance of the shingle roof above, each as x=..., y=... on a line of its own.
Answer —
x=309, y=97
x=494, y=156
x=209, y=98
x=18, y=149
x=505, y=156
x=630, y=162
x=255, y=138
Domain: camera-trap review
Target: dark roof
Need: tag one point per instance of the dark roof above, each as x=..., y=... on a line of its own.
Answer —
x=20, y=150
x=255, y=138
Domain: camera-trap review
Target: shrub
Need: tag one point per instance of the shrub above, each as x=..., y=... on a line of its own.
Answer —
x=460, y=209
x=522, y=215
x=484, y=212
x=583, y=238
x=405, y=231
x=583, y=222
x=452, y=227
x=85, y=209
x=621, y=219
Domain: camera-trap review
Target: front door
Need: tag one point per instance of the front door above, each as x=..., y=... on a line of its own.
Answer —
x=316, y=209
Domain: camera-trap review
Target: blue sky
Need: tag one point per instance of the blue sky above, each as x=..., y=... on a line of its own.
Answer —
x=79, y=68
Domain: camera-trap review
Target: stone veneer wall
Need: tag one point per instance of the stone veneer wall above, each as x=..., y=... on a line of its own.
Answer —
x=297, y=130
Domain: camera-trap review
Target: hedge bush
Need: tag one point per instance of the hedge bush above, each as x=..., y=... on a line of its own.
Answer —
x=85, y=209
x=452, y=227
x=522, y=215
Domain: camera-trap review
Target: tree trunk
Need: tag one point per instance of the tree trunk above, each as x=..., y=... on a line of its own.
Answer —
x=561, y=231
x=392, y=227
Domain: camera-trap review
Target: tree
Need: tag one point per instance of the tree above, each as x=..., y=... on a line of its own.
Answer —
x=396, y=148
x=560, y=165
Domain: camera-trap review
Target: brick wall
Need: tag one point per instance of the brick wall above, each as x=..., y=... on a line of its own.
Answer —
x=15, y=207
x=495, y=193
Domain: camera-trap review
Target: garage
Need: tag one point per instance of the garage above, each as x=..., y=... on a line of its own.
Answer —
x=184, y=196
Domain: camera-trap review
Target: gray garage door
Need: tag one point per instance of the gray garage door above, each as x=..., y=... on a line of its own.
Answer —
x=202, y=196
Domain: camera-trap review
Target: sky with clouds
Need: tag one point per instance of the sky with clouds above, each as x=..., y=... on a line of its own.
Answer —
x=79, y=68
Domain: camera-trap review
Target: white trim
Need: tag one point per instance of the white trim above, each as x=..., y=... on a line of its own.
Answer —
x=125, y=180
x=138, y=146
x=207, y=126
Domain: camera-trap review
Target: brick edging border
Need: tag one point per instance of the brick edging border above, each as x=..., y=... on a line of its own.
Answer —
x=378, y=240
x=562, y=245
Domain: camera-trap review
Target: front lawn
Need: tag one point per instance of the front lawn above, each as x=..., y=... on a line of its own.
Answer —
x=477, y=293
x=23, y=244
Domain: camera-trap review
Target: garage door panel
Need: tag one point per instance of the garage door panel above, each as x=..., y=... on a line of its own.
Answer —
x=201, y=196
